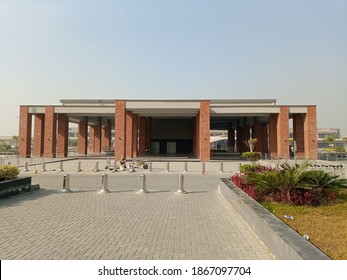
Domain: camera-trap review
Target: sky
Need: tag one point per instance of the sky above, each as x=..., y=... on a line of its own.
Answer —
x=294, y=51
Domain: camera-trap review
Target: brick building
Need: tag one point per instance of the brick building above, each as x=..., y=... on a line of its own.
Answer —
x=165, y=127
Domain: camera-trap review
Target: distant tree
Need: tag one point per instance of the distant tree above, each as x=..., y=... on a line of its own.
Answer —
x=250, y=143
x=15, y=139
x=330, y=139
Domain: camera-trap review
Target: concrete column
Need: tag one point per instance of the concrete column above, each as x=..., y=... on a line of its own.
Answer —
x=82, y=142
x=50, y=132
x=142, y=134
x=310, y=133
x=63, y=135
x=24, y=139
x=129, y=134
x=204, y=130
x=298, y=134
x=135, y=135
x=120, y=121
x=106, y=138
x=39, y=128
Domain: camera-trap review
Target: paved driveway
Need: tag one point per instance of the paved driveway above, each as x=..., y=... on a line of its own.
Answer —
x=49, y=224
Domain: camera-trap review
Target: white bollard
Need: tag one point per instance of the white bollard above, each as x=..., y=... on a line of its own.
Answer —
x=150, y=166
x=61, y=168
x=132, y=167
x=79, y=168
x=104, y=184
x=43, y=166
x=185, y=167
x=96, y=167
x=26, y=169
x=203, y=168
x=221, y=169
x=167, y=167
x=181, y=185
x=142, y=189
x=114, y=166
x=66, y=184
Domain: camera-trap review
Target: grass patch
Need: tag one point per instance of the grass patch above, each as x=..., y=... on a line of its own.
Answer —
x=326, y=225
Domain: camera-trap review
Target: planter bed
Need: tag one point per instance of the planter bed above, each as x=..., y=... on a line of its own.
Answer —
x=282, y=241
x=15, y=186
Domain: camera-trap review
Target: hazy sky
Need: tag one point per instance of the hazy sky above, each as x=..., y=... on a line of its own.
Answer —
x=292, y=50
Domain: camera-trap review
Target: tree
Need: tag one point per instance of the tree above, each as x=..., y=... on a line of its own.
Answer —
x=345, y=141
x=250, y=143
x=15, y=139
x=251, y=155
x=331, y=139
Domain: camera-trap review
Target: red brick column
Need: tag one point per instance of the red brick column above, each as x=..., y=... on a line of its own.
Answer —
x=298, y=134
x=142, y=134
x=106, y=138
x=283, y=132
x=50, y=132
x=310, y=133
x=24, y=139
x=120, y=120
x=63, y=135
x=204, y=130
x=135, y=135
x=129, y=134
x=39, y=128
x=95, y=139
x=82, y=142
x=273, y=134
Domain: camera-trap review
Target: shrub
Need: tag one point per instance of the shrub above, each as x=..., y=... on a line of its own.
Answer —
x=322, y=180
x=238, y=180
x=252, y=156
x=255, y=168
x=9, y=172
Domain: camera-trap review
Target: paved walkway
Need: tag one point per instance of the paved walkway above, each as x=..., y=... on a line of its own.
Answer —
x=49, y=224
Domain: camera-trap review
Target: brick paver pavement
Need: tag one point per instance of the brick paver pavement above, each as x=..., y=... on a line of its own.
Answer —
x=49, y=224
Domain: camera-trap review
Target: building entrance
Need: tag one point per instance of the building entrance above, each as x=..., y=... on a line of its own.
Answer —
x=172, y=136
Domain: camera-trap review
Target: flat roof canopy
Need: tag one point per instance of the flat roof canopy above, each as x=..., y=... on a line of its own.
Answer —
x=223, y=111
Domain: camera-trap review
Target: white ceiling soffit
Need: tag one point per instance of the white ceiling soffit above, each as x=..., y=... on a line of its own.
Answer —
x=241, y=111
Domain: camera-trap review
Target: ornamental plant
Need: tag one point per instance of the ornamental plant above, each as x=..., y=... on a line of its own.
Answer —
x=289, y=184
x=9, y=172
